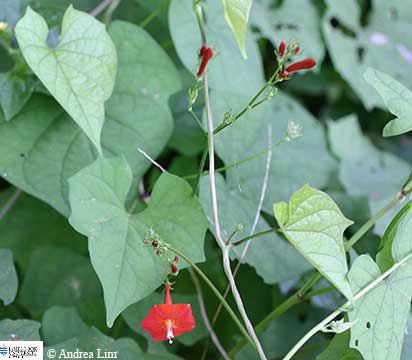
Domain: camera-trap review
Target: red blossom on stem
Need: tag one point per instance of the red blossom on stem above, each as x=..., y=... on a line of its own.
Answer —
x=168, y=320
x=206, y=53
x=300, y=65
x=282, y=48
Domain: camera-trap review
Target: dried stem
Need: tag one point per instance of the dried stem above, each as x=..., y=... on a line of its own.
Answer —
x=147, y=156
x=203, y=312
x=225, y=249
x=9, y=204
x=101, y=7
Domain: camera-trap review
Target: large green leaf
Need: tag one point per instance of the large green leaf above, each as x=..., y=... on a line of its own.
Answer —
x=8, y=277
x=285, y=23
x=273, y=259
x=58, y=276
x=135, y=314
x=365, y=170
x=15, y=330
x=31, y=223
x=303, y=160
x=15, y=91
x=237, y=15
x=380, y=44
x=397, y=98
x=128, y=269
x=41, y=147
x=79, y=72
x=228, y=70
x=314, y=224
x=52, y=330
x=380, y=316
x=98, y=345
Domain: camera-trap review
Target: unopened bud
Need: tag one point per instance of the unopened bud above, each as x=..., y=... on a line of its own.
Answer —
x=240, y=227
x=173, y=268
x=176, y=259
x=3, y=26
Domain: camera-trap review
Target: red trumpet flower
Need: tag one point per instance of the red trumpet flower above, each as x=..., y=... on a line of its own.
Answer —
x=300, y=65
x=206, y=53
x=165, y=321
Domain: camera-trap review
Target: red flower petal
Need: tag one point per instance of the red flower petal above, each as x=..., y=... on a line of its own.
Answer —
x=179, y=316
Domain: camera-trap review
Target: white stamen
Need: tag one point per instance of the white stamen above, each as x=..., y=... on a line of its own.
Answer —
x=170, y=334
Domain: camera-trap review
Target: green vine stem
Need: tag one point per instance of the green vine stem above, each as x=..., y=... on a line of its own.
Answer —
x=332, y=316
x=216, y=292
x=240, y=162
x=372, y=221
x=252, y=103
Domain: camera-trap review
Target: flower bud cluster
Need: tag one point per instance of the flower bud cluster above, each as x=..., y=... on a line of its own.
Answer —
x=161, y=248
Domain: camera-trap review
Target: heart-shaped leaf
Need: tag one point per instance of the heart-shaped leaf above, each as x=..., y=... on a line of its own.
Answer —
x=127, y=268
x=79, y=72
x=315, y=225
x=41, y=148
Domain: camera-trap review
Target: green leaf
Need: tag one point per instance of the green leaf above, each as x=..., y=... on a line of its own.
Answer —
x=228, y=70
x=295, y=163
x=380, y=44
x=315, y=227
x=98, y=345
x=135, y=314
x=15, y=91
x=397, y=98
x=396, y=242
x=30, y=224
x=187, y=137
x=365, y=170
x=282, y=211
x=286, y=23
x=127, y=268
x=23, y=330
x=8, y=277
x=52, y=330
x=237, y=15
x=274, y=259
x=41, y=148
x=339, y=349
x=380, y=316
x=57, y=276
x=79, y=72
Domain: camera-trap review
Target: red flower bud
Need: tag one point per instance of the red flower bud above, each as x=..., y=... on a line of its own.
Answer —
x=297, y=50
x=176, y=259
x=155, y=243
x=206, y=53
x=158, y=253
x=301, y=65
x=174, y=269
x=282, y=48
x=202, y=51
